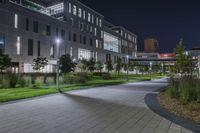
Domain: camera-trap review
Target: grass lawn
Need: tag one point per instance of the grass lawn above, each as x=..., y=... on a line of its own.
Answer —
x=22, y=93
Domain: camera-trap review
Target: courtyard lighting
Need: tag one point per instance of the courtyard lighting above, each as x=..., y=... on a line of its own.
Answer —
x=127, y=57
x=57, y=66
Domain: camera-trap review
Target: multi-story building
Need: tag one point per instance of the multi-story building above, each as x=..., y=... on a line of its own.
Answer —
x=29, y=28
x=151, y=45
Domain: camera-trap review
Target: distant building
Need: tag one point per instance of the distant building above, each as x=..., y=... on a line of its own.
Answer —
x=151, y=45
x=194, y=52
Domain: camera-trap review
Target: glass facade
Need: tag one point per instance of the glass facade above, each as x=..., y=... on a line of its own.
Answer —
x=85, y=54
x=111, y=43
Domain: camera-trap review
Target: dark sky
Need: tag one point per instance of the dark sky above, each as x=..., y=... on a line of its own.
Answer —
x=166, y=20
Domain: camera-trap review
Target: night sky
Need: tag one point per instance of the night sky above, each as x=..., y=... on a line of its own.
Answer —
x=166, y=20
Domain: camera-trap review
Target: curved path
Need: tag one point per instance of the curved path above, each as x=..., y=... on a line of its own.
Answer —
x=111, y=109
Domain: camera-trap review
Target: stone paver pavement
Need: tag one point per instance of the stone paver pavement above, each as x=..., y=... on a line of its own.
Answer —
x=112, y=109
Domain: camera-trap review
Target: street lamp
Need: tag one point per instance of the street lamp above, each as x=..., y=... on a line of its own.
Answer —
x=150, y=68
x=127, y=57
x=162, y=65
x=57, y=66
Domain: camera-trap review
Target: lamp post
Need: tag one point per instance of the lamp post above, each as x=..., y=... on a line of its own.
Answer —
x=57, y=66
x=150, y=68
x=162, y=65
x=127, y=57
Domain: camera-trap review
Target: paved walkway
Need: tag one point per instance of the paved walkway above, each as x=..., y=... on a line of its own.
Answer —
x=113, y=109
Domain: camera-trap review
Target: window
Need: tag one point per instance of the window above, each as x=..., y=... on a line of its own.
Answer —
x=30, y=47
x=56, y=9
x=95, y=31
x=89, y=17
x=74, y=10
x=84, y=40
x=80, y=38
x=97, y=43
x=70, y=36
x=27, y=24
x=2, y=39
x=97, y=21
x=72, y=21
x=79, y=12
x=70, y=8
x=48, y=30
x=85, y=54
x=74, y=37
x=91, y=41
x=84, y=15
x=91, y=29
x=35, y=26
x=56, y=32
x=18, y=45
x=52, y=48
x=16, y=21
x=63, y=34
x=71, y=51
x=100, y=22
x=38, y=48
x=92, y=18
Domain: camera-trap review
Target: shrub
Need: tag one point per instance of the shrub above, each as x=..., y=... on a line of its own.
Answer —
x=106, y=76
x=83, y=74
x=5, y=83
x=186, y=89
x=68, y=78
x=13, y=79
x=21, y=82
x=80, y=79
x=50, y=81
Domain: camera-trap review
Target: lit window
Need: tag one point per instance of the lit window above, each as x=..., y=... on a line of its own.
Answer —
x=18, y=45
x=102, y=34
x=97, y=43
x=52, y=51
x=70, y=8
x=84, y=15
x=92, y=18
x=16, y=21
x=97, y=21
x=100, y=22
x=79, y=12
x=74, y=10
x=89, y=17
x=95, y=31
x=71, y=51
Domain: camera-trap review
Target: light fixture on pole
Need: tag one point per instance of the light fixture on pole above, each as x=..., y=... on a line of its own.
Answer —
x=150, y=68
x=57, y=66
x=127, y=57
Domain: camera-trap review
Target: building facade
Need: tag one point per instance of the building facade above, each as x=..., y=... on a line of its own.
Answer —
x=29, y=28
x=151, y=45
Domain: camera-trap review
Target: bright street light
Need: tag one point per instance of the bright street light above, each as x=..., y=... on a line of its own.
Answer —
x=127, y=66
x=57, y=67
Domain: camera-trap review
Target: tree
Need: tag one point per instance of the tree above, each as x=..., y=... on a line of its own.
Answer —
x=5, y=62
x=109, y=65
x=99, y=66
x=91, y=65
x=183, y=62
x=66, y=64
x=83, y=65
x=118, y=65
x=39, y=63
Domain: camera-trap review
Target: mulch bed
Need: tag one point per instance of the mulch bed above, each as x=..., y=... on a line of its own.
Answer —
x=188, y=110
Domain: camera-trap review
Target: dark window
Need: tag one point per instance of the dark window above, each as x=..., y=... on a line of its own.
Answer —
x=30, y=47
x=84, y=40
x=27, y=24
x=35, y=26
x=74, y=37
x=48, y=30
x=38, y=48
x=63, y=34
x=80, y=38
x=91, y=41
x=70, y=36
x=56, y=32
